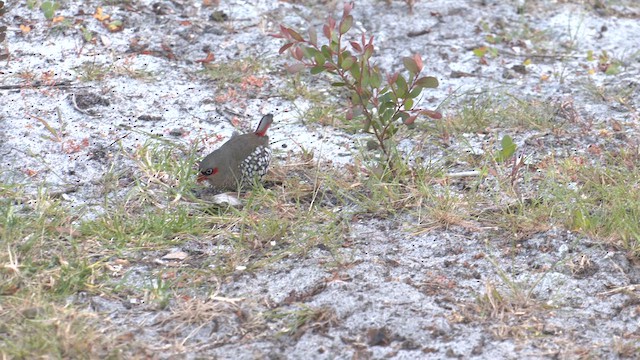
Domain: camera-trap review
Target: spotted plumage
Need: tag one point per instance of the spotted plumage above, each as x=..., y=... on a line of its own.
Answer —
x=239, y=162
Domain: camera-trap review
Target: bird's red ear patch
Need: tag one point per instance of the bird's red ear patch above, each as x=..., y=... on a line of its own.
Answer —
x=206, y=173
x=210, y=172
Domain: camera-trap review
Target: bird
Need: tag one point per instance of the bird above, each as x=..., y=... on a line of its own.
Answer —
x=240, y=162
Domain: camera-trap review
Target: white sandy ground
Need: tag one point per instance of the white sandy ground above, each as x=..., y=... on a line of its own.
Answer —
x=413, y=285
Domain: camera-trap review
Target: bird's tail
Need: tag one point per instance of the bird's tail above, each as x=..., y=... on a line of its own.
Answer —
x=264, y=124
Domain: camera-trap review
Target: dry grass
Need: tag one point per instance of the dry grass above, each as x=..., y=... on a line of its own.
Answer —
x=304, y=204
x=35, y=326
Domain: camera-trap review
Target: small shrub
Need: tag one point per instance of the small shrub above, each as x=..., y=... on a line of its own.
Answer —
x=381, y=100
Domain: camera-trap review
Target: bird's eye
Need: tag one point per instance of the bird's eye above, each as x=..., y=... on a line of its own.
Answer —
x=209, y=172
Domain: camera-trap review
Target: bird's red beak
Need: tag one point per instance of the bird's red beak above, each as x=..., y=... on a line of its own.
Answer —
x=201, y=178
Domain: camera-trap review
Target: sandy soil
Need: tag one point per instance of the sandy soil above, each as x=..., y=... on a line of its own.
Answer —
x=397, y=293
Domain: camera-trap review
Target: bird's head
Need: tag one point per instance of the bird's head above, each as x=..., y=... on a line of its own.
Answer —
x=208, y=168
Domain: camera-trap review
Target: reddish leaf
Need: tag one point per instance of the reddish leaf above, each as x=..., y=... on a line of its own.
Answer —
x=368, y=51
x=283, y=31
x=297, y=53
x=349, y=114
x=210, y=57
x=356, y=46
x=347, y=9
x=285, y=47
x=391, y=79
x=295, y=35
x=332, y=23
x=410, y=120
x=326, y=30
x=418, y=59
x=410, y=64
x=329, y=66
x=432, y=114
x=295, y=68
x=313, y=36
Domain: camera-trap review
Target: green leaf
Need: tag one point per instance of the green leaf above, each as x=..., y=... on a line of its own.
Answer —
x=415, y=92
x=365, y=95
x=376, y=124
x=365, y=81
x=401, y=115
x=408, y=104
x=319, y=58
x=87, y=35
x=355, y=72
x=391, y=130
x=49, y=9
x=355, y=99
x=334, y=47
x=581, y=221
x=590, y=56
x=338, y=84
x=385, y=116
x=385, y=97
x=348, y=62
x=368, y=51
x=326, y=52
x=376, y=80
x=613, y=69
x=367, y=126
x=346, y=24
x=317, y=69
x=385, y=105
x=481, y=51
x=508, y=149
x=411, y=65
x=313, y=36
x=309, y=51
x=428, y=82
x=401, y=86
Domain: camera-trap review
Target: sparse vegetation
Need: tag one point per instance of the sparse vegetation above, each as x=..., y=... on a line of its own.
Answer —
x=510, y=216
x=379, y=99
